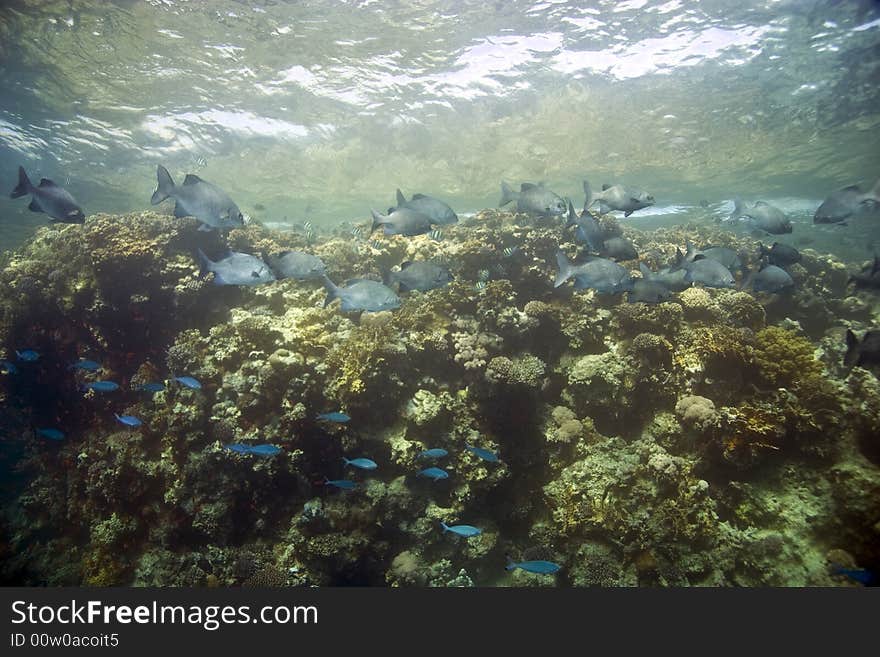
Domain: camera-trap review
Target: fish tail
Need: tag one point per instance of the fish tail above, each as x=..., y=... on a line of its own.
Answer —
x=345, y=460
x=738, y=209
x=588, y=195
x=204, y=263
x=444, y=526
x=165, y=187
x=24, y=185
x=507, y=194
x=378, y=220
x=510, y=563
x=401, y=199
x=565, y=269
x=572, y=217
x=332, y=290
x=852, y=349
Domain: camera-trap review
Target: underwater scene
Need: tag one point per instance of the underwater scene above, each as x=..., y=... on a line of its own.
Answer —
x=440, y=294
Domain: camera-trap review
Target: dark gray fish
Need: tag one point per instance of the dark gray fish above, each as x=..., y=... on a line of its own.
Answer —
x=604, y=276
x=296, y=264
x=763, y=216
x=727, y=257
x=437, y=210
x=672, y=279
x=866, y=352
x=781, y=255
x=617, y=197
x=648, y=291
x=402, y=221
x=237, y=269
x=361, y=294
x=421, y=276
x=770, y=279
x=869, y=276
x=49, y=198
x=587, y=231
x=197, y=198
x=845, y=203
x=534, y=199
x=619, y=248
x=710, y=273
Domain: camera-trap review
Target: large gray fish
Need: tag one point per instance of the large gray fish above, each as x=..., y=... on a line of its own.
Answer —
x=534, y=199
x=708, y=272
x=770, y=279
x=673, y=279
x=49, y=198
x=866, y=352
x=421, y=276
x=604, y=276
x=296, y=264
x=197, y=198
x=846, y=203
x=237, y=269
x=437, y=210
x=402, y=221
x=361, y=294
x=648, y=291
x=727, y=257
x=617, y=197
x=781, y=255
x=619, y=248
x=763, y=216
x=587, y=231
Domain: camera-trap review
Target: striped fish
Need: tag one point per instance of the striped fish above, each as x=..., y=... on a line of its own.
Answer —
x=509, y=251
x=483, y=275
x=307, y=225
x=310, y=235
x=479, y=286
x=436, y=234
x=375, y=244
x=200, y=161
x=357, y=232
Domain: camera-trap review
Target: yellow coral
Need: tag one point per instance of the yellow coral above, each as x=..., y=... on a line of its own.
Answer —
x=785, y=358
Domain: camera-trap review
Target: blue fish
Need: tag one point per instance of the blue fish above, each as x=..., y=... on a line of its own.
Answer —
x=484, y=454
x=128, y=420
x=363, y=464
x=28, y=356
x=7, y=368
x=462, y=530
x=344, y=484
x=51, y=434
x=436, y=453
x=539, y=567
x=257, y=450
x=151, y=387
x=860, y=575
x=334, y=417
x=87, y=365
x=101, y=386
x=189, y=382
x=434, y=473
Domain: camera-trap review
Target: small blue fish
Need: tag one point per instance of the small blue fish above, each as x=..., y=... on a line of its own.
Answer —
x=484, y=454
x=334, y=417
x=860, y=575
x=151, y=387
x=539, y=567
x=51, y=434
x=101, y=386
x=462, y=530
x=344, y=484
x=86, y=365
x=435, y=474
x=436, y=453
x=28, y=356
x=257, y=450
x=128, y=420
x=7, y=368
x=189, y=382
x=363, y=464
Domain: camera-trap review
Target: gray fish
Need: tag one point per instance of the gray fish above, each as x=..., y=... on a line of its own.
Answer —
x=534, y=199
x=648, y=292
x=866, y=352
x=617, y=197
x=587, y=231
x=50, y=199
x=296, y=264
x=727, y=257
x=619, y=248
x=708, y=272
x=402, y=221
x=846, y=203
x=780, y=254
x=197, y=198
x=672, y=279
x=763, y=216
x=770, y=279
x=437, y=210
x=421, y=276
x=237, y=269
x=604, y=276
x=361, y=294
x=869, y=276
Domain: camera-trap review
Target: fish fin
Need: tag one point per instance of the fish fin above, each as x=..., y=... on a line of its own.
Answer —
x=378, y=220
x=646, y=273
x=761, y=203
x=33, y=206
x=179, y=212
x=205, y=263
x=205, y=228
x=416, y=197
x=510, y=564
x=572, y=217
x=605, y=186
x=45, y=182
x=444, y=526
x=192, y=179
x=527, y=186
x=699, y=257
x=627, y=213
x=332, y=290
x=165, y=186
x=875, y=191
x=401, y=199
x=405, y=264
x=604, y=208
x=507, y=194
x=739, y=209
x=852, y=349
x=565, y=269
x=24, y=185
x=588, y=196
